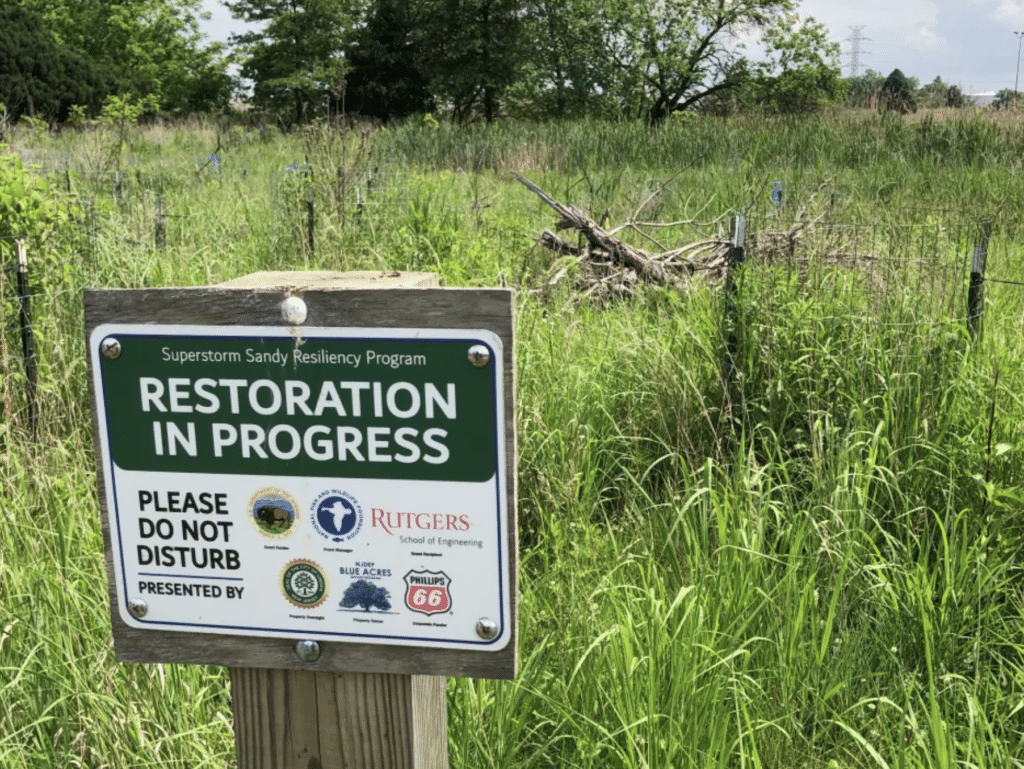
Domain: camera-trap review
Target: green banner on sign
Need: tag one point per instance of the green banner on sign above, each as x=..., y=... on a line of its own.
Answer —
x=387, y=408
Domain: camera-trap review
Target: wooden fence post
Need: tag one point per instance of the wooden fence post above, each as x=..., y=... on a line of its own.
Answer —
x=28, y=345
x=158, y=228
x=976, y=290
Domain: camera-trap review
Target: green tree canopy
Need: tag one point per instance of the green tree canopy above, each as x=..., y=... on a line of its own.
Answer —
x=897, y=94
x=473, y=53
x=145, y=48
x=541, y=58
x=386, y=77
x=1007, y=98
x=955, y=97
x=802, y=73
x=940, y=94
x=864, y=90
x=671, y=54
x=563, y=71
x=38, y=76
x=295, y=57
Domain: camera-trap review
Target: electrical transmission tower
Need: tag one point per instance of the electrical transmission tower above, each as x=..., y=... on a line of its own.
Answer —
x=855, y=51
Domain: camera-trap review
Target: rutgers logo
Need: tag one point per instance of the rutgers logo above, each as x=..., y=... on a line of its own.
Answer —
x=427, y=592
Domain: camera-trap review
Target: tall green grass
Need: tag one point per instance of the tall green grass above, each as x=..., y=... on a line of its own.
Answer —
x=817, y=564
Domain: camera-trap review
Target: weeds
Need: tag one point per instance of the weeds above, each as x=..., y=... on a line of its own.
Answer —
x=836, y=585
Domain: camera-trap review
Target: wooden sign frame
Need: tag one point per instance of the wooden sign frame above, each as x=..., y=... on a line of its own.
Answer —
x=247, y=303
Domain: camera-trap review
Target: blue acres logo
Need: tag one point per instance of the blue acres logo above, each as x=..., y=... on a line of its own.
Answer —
x=337, y=515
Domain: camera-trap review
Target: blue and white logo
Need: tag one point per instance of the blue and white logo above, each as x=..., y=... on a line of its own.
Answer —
x=337, y=515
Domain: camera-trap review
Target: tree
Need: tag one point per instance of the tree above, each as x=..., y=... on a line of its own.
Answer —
x=802, y=73
x=144, y=48
x=563, y=71
x=865, y=90
x=295, y=57
x=386, y=79
x=955, y=98
x=940, y=94
x=897, y=94
x=474, y=51
x=367, y=595
x=671, y=54
x=932, y=95
x=38, y=76
x=1007, y=98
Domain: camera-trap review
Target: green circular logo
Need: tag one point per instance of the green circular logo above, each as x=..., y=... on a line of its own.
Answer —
x=304, y=584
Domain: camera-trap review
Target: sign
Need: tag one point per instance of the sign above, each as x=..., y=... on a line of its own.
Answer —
x=334, y=484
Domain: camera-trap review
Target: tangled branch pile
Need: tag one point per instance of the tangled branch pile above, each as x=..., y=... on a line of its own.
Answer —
x=604, y=266
x=609, y=267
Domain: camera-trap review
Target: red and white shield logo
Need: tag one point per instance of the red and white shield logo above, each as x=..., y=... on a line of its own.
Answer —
x=427, y=592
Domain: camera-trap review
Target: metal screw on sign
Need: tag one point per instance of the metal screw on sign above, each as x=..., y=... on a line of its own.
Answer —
x=479, y=355
x=110, y=348
x=487, y=628
x=293, y=310
x=137, y=607
x=307, y=651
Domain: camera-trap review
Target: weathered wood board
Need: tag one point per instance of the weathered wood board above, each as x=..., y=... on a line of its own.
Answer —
x=245, y=303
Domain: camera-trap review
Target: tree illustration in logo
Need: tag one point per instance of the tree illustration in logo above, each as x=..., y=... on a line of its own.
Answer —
x=367, y=595
x=304, y=584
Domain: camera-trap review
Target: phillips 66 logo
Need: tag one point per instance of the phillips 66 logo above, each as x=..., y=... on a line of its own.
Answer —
x=427, y=592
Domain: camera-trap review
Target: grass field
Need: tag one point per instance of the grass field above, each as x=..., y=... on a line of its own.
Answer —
x=818, y=568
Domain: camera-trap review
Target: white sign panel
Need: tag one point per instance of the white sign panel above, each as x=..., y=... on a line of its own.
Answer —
x=342, y=484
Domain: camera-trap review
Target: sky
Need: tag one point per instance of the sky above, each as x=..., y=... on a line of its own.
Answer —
x=969, y=43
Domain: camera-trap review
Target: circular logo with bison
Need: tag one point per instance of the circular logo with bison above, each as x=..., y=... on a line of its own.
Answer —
x=273, y=512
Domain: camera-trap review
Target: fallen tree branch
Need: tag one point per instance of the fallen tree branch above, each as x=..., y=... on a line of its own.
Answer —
x=621, y=253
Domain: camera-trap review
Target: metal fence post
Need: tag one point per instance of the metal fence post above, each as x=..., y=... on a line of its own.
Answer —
x=28, y=345
x=737, y=254
x=976, y=291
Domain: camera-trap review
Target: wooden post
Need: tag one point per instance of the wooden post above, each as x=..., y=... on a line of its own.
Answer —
x=307, y=719
x=976, y=290
x=158, y=228
x=298, y=719
x=28, y=346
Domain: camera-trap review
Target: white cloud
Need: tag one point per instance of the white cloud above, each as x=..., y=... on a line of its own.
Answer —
x=877, y=15
x=1010, y=13
x=926, y=40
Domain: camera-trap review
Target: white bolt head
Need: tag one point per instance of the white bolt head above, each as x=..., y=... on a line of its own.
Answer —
x=293, y=310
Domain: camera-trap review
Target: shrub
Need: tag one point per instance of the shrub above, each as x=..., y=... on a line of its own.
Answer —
x=897, y=94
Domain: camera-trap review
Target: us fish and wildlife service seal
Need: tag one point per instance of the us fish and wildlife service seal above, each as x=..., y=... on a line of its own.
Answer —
x=304, y=583
x=337, y=515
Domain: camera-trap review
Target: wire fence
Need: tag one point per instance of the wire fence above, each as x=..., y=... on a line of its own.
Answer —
x=879, y=279
x=840, y=308
x=869, y=269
